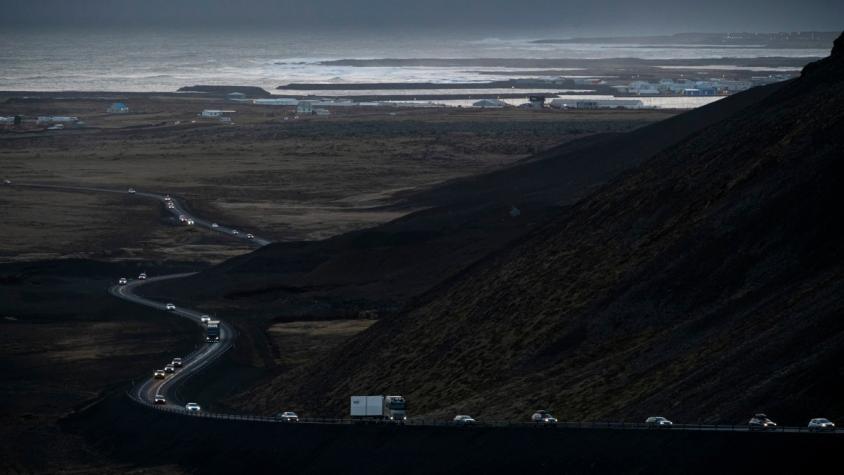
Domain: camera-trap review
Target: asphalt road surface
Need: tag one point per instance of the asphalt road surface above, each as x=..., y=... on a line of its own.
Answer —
x=177, y=209
x=195, y=362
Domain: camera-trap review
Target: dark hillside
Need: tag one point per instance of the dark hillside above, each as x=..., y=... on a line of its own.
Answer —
x=463, y=221
x=704, y=285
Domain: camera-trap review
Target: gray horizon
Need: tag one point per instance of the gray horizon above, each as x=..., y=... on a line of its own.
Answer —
x=582, y=17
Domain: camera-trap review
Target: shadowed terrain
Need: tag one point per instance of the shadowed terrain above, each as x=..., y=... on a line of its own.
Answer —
x=704, y=285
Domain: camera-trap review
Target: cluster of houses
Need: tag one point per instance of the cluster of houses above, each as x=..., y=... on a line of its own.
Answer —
x=688, y=87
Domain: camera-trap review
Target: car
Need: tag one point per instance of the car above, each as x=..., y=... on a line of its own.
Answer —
x=167, y=198
x=159, y=374
x=250, y=236
x=821, y=424
x=170, y=307
x=215, y=225
x=170, y=205
x=132, y=191
x=189, y=222
x=142, y=276
x=761, y=422
x=464, y=420
x=122, y=281
x=159, y=399
x=192, y=407
x=287, y=416
x=205, y=319
x=170, y=369
x=183, y=218
x=8, y=182
x=658, y=422
x=235, y=232
x=177, y=362
x=543, y=417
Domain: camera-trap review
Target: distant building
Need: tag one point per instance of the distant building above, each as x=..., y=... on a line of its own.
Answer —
x=305, y=107
x=536, y=102
x=275, y=102
x=215, y=113
x=490, y=104
x=597, y=104
x=58, y=119
x=118, y=108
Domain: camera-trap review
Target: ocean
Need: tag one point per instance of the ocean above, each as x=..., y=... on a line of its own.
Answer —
x=165, y=60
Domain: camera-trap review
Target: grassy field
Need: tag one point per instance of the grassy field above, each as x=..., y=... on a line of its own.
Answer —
x=306, y=178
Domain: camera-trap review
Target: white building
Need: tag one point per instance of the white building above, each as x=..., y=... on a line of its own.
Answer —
x=490, y=104
x=276, y=102
x=322, y=112
x=215, y=113
x=58, y=119
x=597, y=104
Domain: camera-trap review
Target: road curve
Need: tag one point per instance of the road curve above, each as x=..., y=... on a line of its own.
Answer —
x=177, y=210
x=191, y=364
x=145, y=391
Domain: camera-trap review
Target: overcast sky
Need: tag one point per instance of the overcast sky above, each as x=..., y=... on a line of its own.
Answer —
x=602, y=16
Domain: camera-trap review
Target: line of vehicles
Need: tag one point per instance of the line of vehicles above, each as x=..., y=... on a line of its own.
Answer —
x=125, y=280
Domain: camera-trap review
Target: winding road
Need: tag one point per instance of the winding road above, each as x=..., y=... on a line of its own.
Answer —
x=145, y=391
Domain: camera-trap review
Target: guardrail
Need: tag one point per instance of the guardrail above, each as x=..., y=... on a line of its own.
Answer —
x=480, y=424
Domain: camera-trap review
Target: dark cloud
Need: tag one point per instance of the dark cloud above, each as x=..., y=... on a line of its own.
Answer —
x=626, y=15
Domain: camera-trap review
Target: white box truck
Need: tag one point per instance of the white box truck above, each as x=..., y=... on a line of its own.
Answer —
x=392, y=408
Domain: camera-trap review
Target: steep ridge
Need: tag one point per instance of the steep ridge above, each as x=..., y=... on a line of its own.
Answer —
x=381, y=268
x=703, y=285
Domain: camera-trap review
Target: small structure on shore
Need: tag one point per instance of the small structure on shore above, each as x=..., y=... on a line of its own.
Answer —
x=236, y=96
x=490, y=104
x=597, y=104
x=215, y=113
x=118, y=108
x=322, y=112
x=305, y=107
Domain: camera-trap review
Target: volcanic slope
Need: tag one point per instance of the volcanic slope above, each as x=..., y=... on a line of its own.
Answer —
x=381, y=268
x=703, y=285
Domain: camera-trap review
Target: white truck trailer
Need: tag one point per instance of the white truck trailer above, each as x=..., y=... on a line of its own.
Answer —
x=391, y=408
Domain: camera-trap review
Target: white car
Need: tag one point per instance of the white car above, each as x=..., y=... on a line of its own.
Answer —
x=132, y=191
x=159, y=399
x=464, y=420
x=177, y=362
x=250, y=236
x=122, y=281
x=192, y=407
x=235, y=232
x=821, y=424
x=205, y=319
x=170, y=307
x=183, y=218
x=170, y=205
x=159, y=374
x=658, y=422
x=170, y=369
x=167, y=198
x=287, y=416
x=142, y=276
x=543, y=417
x=189, y=222
x=215, y=225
